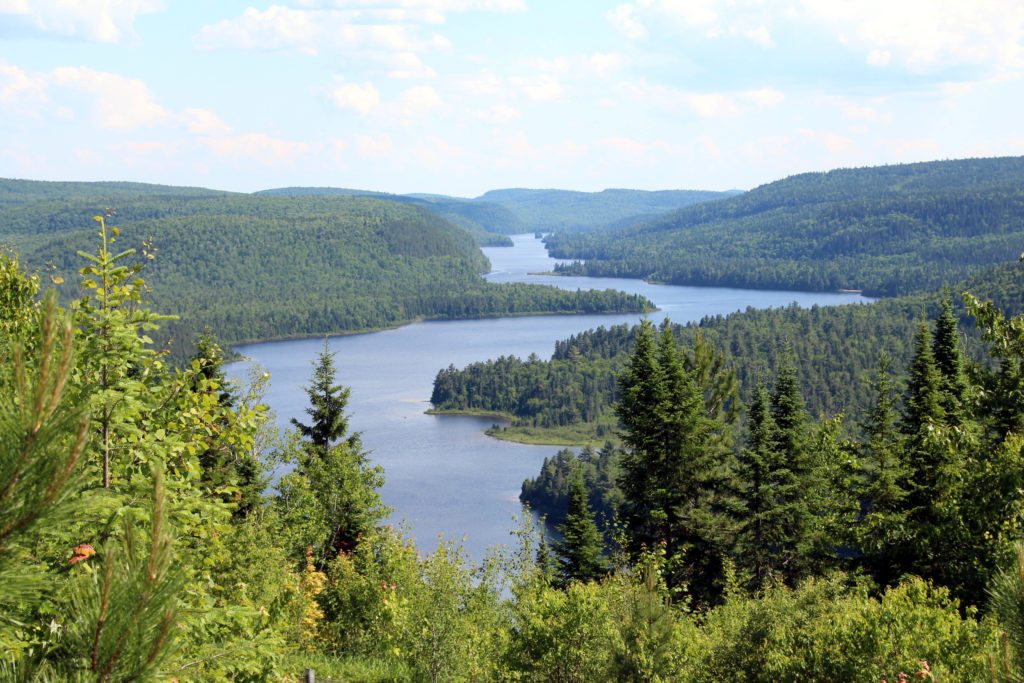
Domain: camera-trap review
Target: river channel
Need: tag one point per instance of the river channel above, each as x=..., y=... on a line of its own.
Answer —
x=444, y=476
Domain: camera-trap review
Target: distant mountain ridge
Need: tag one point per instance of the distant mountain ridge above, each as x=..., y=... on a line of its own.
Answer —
x=886, y=230
x=543, y=210
x=256, y=267
x=550, y=210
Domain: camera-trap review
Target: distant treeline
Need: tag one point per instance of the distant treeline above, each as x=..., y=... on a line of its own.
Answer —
x=839, y=348
x=887, y=231
x=262, y=267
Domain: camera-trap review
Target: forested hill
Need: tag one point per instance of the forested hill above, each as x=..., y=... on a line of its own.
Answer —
x=17, y=192
x=488, y=222
x=565, y=210
x=255, y=268
x=886, y=230
x=837, y=351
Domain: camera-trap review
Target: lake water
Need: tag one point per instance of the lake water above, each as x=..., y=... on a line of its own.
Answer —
x=444, y=476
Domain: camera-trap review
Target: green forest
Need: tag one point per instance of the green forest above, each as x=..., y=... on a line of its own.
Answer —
x=266, y=267
x=886, y=230
x=139, y=539
x=568, y=398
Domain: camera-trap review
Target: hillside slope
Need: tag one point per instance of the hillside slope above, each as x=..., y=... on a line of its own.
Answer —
x=565, y=210
x=885, y=230
x=255, y=268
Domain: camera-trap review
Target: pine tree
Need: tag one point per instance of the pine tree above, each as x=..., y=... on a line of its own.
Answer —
x=333, y=495
x=756, y=539
x=580, y=552
x=949, y=361
x=788, y=410
x=795, y=479
x=122, y=615
x=881, y=532
x=923, y=405
x=672, y=475
x=328, y=424
x=926, y=455
x=641, y=391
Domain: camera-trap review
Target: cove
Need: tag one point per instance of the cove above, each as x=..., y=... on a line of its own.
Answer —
x=444, y=476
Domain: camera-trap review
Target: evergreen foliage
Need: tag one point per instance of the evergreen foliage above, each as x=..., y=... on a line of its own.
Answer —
x=136, y=543
x=329, y=424
x=886, y=230
x=674, y=467
x=580, y=550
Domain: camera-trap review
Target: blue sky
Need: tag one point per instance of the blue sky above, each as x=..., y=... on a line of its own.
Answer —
x=462, y=96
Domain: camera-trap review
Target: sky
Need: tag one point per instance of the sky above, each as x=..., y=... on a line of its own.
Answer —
x=462, y=96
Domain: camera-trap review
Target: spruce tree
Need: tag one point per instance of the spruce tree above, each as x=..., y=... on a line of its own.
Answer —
x=795, y=479
x=757, y=539
x=332, y=497
x=926, y=455
x=881, y=532
x=580, y=552
x=641, y=391
x=672, y=475
x=949, y=361
x=788, y=409
x=923, y=403
x=930, y=455
x=328, y=424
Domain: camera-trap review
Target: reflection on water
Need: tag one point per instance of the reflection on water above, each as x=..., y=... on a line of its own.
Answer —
x=443, y=475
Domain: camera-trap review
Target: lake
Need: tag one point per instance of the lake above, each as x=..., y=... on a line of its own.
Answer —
x=444, y=476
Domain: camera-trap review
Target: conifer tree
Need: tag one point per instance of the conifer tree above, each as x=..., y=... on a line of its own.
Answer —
x=641, y=391
x=673, y=472
x=795, y=479
x=758, y=536
x=788, y=409
x=949, y=361
x=580, y=552
x=926, y=455
x=333, y=496
x=881, y=533
x=328, y=423
x=923, y=403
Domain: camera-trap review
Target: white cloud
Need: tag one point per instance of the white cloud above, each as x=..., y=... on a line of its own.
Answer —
x=439, y=6
x=18, y=87
x=389, y=35
x=765, y=97
x=761, y=36
x=627, y=146
x=359, y=97
x=499, y=114
x=484, y=83
x=625, y=20
x=712, y=18
x=605, y=63
x=928, y=33
x=118, y=102
x=407, y=65
x=709, y=105
x=835, y=144
x=204, y=122
x=102, y=21
x=258, y=147
x=306, y=31
x=859, y=112
x=436, y=153
x=710, y=147
x=374, y=146
x=419, y=100
x=543, y=88
x=879, y=58
x=712, y=105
